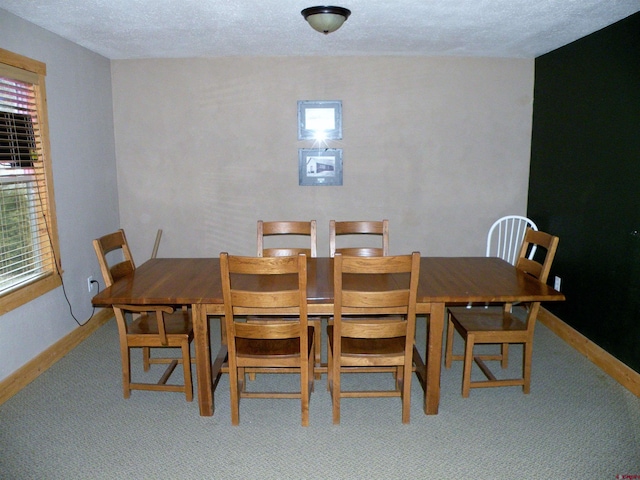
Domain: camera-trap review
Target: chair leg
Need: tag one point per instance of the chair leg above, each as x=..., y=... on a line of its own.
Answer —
x=448, y=352
x=235, y=397
x=329, y=366
x=186, y=366
x=505, y=355
x=406, y=393
x=526, y=365
x=242, y=379
x=146, y=358
x=335, y=392
x=126, y=370
x=317, y=350
x=312, y=370
x=468, y=363
x=304, y=389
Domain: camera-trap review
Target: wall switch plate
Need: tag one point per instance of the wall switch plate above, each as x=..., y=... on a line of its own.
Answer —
x=556, y=283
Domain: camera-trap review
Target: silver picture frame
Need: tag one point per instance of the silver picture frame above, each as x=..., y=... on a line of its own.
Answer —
x=320, y=167
x=319, y=120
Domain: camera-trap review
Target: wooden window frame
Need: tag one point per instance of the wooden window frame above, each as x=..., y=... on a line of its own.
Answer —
x=52, y=278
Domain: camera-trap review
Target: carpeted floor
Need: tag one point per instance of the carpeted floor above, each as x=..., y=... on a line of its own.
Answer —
x=72, y=423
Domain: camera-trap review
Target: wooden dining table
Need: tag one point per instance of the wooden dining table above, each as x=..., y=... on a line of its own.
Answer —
x=444, y=281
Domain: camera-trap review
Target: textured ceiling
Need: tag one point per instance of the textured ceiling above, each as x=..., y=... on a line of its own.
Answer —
x=121, y=29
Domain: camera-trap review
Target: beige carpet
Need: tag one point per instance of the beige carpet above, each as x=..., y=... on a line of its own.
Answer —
x=72, y=423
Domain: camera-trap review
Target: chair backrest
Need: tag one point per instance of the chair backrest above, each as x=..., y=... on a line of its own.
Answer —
x=111, y=243
x=379, y=294
x=528, y=264
x=154, y=252
x=263, y=286
x=505, y=237
x=379, y=228
x=289, y=228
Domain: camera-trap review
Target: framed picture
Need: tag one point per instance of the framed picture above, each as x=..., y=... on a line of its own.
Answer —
x=320, y=166
x=320, y=120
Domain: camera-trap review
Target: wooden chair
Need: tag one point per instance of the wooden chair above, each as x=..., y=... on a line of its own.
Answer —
x=277, y=346
x=165, y=329
x=349, y=230
x=287, y=228
x=498, y=325
x=382, y=330
x=379, y=228
x=281, y=229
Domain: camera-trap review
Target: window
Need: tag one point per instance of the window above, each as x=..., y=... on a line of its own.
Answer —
x=28, y=234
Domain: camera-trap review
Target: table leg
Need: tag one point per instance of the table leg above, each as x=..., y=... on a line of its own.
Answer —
x=203, y=359
x=434, y=358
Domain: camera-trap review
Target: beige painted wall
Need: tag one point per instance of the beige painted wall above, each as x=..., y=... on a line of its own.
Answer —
x=205, y=147
x=79, y=104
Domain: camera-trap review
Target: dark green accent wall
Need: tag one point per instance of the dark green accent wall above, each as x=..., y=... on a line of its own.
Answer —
x=585, y=182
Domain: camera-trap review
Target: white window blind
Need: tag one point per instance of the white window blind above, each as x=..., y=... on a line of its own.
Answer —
x=26, y=253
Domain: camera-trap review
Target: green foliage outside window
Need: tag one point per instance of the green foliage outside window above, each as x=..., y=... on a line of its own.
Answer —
x=16, y=237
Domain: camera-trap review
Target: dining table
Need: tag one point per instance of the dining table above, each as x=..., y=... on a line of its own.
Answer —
x=444, y=281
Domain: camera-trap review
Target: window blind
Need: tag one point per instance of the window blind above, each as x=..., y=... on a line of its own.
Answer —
x=25, y=247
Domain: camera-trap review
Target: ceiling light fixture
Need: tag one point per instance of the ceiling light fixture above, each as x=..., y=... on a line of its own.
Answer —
x=325, y=19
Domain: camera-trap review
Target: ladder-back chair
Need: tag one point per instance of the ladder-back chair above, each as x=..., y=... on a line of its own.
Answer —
x=290, y=231
x=499, y=325
x=146, y=326
x=285, y=230
x=373, y=324
x=359, y=228
x=280, y=346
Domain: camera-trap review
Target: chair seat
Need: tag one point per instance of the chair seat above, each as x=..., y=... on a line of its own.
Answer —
x=177, y=323
x=368, y=347
x=284, y=348
x=486, y=320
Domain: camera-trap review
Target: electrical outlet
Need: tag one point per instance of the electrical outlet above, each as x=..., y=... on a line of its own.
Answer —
x=89, y=283
x=556, y=283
